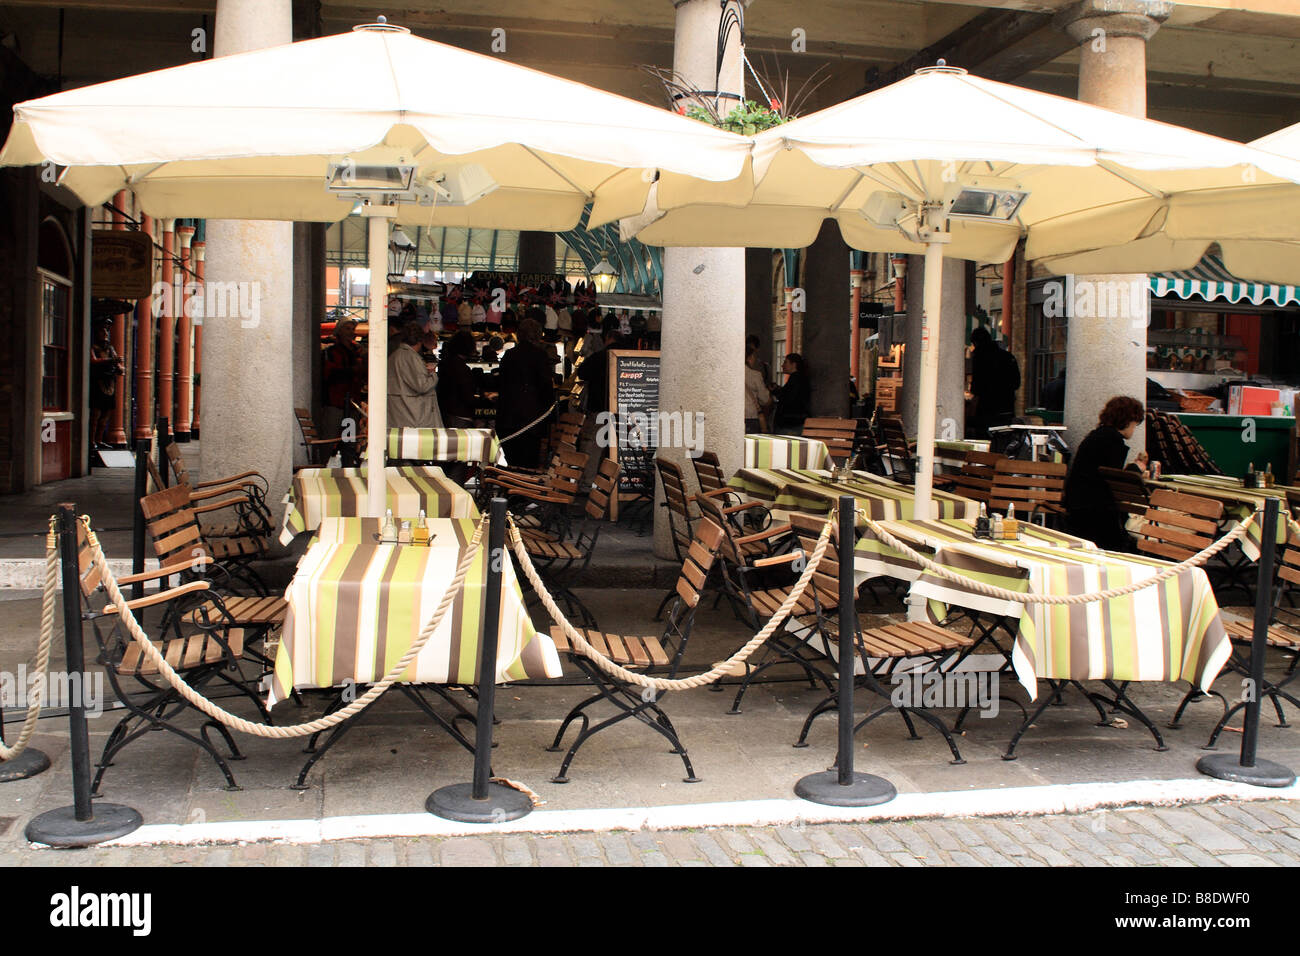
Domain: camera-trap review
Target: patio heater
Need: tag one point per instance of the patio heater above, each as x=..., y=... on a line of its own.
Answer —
x=926, y=220
x=379, y=189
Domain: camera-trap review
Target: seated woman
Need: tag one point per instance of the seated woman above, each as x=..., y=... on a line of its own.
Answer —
x=1092, y=511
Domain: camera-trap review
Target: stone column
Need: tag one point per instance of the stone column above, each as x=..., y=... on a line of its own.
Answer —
x=703, y=338
x=247, y=364
x=950, y=407
x=536, y=252
x=1106, y=347
x=826, y=346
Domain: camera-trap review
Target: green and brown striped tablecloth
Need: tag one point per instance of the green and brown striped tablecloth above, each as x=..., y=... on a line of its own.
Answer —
x=1239, y=502
x=355, y=606
x=785, y=451
x=320, y=493
x=813, y=491
x=1167, y=632
x=444, y=444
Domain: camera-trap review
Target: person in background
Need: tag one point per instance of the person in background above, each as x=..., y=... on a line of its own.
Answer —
x=492, y=351
x=1054, y=392
x=457, y=390
x=995, y=377
x=595, y=372
x=343, y=375
x=1092, y=511
x=794, y=398
x=412, y=385
x=527, y=390
x=753, y=342
x=757, y=395
x=105, y=367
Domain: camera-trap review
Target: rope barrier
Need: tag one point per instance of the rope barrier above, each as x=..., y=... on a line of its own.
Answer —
x=1022, y=598
x=578, y=641
x=540, y=418
x=42, y=648
x=152, y=653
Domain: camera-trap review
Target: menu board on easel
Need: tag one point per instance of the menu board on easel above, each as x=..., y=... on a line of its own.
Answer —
x=634, y=403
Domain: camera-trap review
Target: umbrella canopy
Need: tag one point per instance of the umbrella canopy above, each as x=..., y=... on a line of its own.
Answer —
x=372, y=114
x=1257, y=248
x=947, y=164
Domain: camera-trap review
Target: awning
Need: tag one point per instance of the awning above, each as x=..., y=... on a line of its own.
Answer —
x=1210, y=280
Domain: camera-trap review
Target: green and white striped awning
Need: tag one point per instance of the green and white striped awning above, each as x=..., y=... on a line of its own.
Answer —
x=1209, y=280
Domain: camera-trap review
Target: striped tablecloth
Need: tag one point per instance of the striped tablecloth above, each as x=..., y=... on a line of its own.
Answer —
x=1238, y=500
x=444, y=444
x=355, y=605
x=813, y=491
x=1170, y=631
x=785, y=451
x=320, y=493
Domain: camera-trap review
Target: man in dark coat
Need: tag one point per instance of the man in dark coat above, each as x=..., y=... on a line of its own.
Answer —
x=527, y=379
x=995, y=377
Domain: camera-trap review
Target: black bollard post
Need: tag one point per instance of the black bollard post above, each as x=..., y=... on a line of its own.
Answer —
x=483, y=801
x=84, y=823
x=164, y=439
x=137, y=519
x=844, y=787
x=1246, y=767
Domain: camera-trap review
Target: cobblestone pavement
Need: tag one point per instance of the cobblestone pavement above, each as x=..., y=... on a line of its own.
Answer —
x=1263, y=833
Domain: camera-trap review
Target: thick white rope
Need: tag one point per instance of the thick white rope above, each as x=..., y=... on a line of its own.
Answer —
x=583, y=647
x=296, y=730
x=42, y=648
x=1021, y=597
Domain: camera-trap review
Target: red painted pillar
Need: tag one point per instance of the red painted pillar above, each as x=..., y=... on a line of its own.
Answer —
x=144, y=386
x=116, y=434
x=200, y=251
x=184, y=342
x=167, y=327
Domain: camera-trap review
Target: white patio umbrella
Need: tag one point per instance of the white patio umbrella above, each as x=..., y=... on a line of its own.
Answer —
x=943, y=163
x=411, y=130
x=1256, y=246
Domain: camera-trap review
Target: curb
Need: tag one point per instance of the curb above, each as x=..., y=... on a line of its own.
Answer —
x=1007, y=802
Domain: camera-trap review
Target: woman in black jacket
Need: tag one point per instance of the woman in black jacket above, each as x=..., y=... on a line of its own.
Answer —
x=794, y=398
x=1091, y=507
x=527, y=389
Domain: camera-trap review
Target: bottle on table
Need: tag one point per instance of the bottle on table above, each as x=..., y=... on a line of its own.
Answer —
x=388, y=531
x=982, y=523
x=420, y=536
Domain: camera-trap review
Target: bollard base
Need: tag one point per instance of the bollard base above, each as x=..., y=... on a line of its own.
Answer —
x=61, y=828
x=457, y=802
x=27, y=764
x=1265, y=773
x=866, y=790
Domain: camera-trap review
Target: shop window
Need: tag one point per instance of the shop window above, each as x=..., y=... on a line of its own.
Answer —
x=1046, y=350
x=54, y=269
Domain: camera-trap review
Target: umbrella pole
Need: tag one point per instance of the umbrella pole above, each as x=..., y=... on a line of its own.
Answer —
x=377, y=390
x=929, y=389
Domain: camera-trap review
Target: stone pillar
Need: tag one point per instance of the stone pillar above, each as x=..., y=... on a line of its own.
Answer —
x=536, y=252
x=703, y=336
x=826, y=346
x=758, y=299
x=1111, y=334
x=308, y=306
x=248, y=418
x=950, y=407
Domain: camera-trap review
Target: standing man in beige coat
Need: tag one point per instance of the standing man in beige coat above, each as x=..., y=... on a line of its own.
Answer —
x=412, y=399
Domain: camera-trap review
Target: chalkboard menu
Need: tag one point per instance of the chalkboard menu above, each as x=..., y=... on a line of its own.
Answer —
x=634, y=424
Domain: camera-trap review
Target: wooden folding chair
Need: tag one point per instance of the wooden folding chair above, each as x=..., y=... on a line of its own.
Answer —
x=246, y=498
x=196, y=636
x=319, y=448
x=1177, y=526
x=837, y=434
x=1128, y=489
x=897, y=449
x=1033, y=487
x=651, y=655
x=559, y=561
x=975, y=479
x=744, y=515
